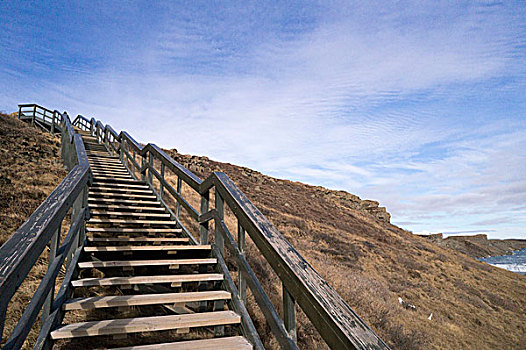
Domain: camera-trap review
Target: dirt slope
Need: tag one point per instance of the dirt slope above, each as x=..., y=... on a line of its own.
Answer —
x=372, y=263
x=30, y=169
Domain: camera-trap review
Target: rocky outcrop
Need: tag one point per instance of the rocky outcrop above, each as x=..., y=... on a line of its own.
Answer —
x=202, y=166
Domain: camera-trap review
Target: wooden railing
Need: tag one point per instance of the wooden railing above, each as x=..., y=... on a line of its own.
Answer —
x=337, y=323
x=43, y=228
x=40, y=116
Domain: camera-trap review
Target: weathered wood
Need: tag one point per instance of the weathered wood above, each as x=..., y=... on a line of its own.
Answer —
x=143, y=299
x=262, y=299
x=124, y=248
x=239, y=306
x=137, y=239
x=336, y=322
x=225, y=343
x=115, y=281
x=145, y=324
x=122, y=263
x=289, y=313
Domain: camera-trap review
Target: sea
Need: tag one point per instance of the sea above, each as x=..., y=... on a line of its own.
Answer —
x=514, y=263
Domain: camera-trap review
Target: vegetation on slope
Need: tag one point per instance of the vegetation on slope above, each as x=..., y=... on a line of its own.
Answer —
x=30, y=169
x=478, y=246
x=372, y=263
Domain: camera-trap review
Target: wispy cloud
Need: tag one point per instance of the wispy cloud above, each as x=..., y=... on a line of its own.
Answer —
x=418, y=105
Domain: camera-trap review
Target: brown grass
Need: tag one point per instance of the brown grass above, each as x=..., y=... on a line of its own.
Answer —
x=30, y=169
x=371, y=263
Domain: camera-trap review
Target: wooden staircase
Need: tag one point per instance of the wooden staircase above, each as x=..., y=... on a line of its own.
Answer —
x=141, y=283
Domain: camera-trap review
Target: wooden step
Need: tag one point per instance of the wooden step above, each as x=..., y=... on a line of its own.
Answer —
x=98, y=177
x=143, y=299
x=136, y=248
x=138, y=239
x=146, y=324
x=112, y=181
x=105, y=156
x=124, y=207
x=123, y=185
x=109, y=172
x=130, y=221
x=225, y=343
x=120, y=195
x=121, y=281
x=119, y=189
x=119, y=213
x=132, y=230
x=100, y=167
x=166, y=262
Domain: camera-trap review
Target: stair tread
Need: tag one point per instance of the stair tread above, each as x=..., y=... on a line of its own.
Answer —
x=145, y=324
x=131, y=213
x=110, y=200
x=226, y=343
x=162, y=262
x=133, y=230
x=143, y=299
x=131, y=221
x=138, y=239
x=112, y=281
x=146, y=248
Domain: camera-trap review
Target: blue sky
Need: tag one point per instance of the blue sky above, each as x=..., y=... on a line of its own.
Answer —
x=419, y=105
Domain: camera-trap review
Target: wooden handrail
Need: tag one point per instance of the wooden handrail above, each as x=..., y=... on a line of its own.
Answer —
x=336, y=322
x=21, y=251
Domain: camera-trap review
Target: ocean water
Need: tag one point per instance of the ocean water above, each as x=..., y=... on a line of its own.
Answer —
x=515, y=262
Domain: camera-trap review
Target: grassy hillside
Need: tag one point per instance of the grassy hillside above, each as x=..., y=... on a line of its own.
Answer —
x=30, y=169
x=372, y=263
x=350, y=242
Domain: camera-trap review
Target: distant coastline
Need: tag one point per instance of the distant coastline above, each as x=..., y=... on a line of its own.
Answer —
x=515, y=262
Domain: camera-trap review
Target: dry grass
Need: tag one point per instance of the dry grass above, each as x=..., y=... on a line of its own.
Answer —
x=30, y=169
x=371, y=263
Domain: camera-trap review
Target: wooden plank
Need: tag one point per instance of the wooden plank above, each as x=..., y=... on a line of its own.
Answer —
x=125, y=207
x=131, y=221
x=146, y=324
x=121, y=195
x=117, y=281
x=143, y=299
x=225, y=343
x=336, y=322
x=119, y=190
x=167, y=262
x=124, y=185
x=122, y=201
x=132, y=230
x=138, y=239
x=101, y=177
x=145, y=248
x=122, y=213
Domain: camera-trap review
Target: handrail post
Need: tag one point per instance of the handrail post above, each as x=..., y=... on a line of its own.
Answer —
x=19, y=116
x=161, y=186
x=242, y=283
x=178, y=207
x=220, y=210
x=53, y=246
x=289, y=313
x=53, y=123
x=203, y=227
x=143, y=164
x=150, y=168
x=34, y=115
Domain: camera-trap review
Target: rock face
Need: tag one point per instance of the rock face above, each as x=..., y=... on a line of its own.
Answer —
x=202, y=166
x=478, y=246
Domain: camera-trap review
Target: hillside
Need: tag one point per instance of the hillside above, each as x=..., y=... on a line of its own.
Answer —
x=30, y=169
x=478, y=246
x=372, y=263
x=349, y=241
